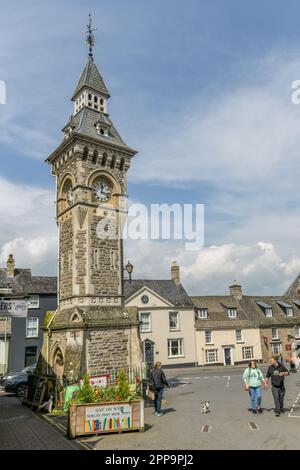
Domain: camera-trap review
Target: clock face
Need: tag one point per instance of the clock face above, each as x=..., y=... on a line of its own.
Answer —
x=70, y=196
x=102, y=190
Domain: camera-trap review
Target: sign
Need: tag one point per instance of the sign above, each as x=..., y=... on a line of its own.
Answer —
x=288, y=347
x=98, y=381
x=71, y=392
x=13, y=308
x=108, y=418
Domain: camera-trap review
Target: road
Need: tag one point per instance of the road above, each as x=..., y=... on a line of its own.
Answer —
x=227, y=426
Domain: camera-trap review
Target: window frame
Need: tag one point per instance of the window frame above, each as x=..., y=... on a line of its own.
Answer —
x=150, y=322
x=26, y=356
x=241, y=340
x=297, y=331
x=177, y=327
x=202, y=310
x=269, y=312
x=229, y=312
x=276, y=330
x=180, y=347
x=208, y=352
x=247, y=348
x=29, y=306
x=289, y=312
x=278, y=346
x=205, y=336
x=35, y=328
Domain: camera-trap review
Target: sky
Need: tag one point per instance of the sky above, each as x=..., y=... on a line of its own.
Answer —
x=202, y=89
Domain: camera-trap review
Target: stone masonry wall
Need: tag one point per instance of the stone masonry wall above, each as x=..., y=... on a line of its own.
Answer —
x=266, y=346
x=66, y=250
x=107, y=348
x=81, y=260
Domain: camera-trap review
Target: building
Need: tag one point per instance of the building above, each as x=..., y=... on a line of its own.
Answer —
x=225, y=335
x=167, y=319
x=237, y=328
x=294, y=289
x=24, y=335
x=90, y=329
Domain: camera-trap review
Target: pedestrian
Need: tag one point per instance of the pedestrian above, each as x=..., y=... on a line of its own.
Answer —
x=292, y=366
x=254, y=379
x=297, y=362
x=277, y=372
x=157, y=383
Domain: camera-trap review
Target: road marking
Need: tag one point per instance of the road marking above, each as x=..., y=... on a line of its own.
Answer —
x=228, y=381
x=253, y=426
x=293, y=408
x=206, y=428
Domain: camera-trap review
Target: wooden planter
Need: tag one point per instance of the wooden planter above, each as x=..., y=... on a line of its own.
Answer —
x=103, y=418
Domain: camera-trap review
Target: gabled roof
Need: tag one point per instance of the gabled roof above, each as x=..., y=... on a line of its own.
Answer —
x=167, y=289
x=24, y=283
x=92, y=79
x=217, y=315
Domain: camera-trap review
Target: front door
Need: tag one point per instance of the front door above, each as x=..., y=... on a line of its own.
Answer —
x=227, y=356
x=149, y=352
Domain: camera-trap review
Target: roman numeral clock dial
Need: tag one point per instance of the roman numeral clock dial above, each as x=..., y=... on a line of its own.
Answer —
x=101, y=191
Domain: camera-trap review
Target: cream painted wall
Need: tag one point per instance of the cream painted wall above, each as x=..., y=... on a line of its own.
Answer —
x=227, y=338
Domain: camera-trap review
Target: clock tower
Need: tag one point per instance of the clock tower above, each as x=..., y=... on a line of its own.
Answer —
x=91, y=329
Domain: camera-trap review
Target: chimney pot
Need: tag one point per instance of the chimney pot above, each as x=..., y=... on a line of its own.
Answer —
x=175, y=272
x=236, y=290
x=10, y=266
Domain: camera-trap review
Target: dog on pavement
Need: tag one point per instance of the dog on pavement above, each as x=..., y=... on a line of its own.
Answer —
x=205, y=407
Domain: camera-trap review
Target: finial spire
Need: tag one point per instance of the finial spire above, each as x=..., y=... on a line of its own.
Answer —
x=90, y=37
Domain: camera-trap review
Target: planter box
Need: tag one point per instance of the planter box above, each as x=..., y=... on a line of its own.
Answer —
x=103, y=418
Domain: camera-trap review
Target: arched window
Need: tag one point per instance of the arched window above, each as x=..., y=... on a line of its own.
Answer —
x=113, y=162
x=85, y=153
x=122, y=164
x=95, y=157
x=104, y=159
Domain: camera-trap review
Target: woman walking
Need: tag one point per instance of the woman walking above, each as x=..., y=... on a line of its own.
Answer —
x=254, y=379
x=157, y=382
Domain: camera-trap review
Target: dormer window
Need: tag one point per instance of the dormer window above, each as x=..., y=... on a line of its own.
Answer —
x=266, y=308
x=286, y=308
x=269, y=312
x=101, y=130
x=231, y=312
x=202, y=313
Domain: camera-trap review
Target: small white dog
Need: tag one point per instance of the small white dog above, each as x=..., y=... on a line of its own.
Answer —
x=205, y=407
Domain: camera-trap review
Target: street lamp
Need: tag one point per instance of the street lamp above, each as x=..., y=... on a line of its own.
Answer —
x=129, y=269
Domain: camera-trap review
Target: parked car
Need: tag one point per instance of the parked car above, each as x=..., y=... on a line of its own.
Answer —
x=15, y=382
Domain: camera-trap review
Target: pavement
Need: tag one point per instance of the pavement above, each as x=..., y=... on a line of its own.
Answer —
x=229, y=424
x=23, y=429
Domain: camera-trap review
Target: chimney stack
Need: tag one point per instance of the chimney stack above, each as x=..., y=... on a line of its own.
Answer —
x=10, y=266
x=236, y=290
x=175, y=272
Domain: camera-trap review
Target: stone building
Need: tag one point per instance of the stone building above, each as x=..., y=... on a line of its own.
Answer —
x=91, y=329
x=20, y=344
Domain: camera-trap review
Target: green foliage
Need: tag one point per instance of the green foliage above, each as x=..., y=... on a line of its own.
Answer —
x=85, y=394
x=122, y=388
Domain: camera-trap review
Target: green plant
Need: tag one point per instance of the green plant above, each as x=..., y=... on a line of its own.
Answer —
x=85, y=394
x=122, y=388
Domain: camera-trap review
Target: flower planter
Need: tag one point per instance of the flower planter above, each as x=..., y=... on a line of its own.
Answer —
x=103, y=418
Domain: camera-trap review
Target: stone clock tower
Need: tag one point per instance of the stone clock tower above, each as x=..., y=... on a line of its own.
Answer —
x=91, y=329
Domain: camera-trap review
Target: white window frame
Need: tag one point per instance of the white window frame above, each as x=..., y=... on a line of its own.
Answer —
x=278, y=347
x=33, y=301
x=289, y=312
x=208, y=332
x=180, y=348
x=202, y=313
x=177, y=327
x=274, y=330
x=207, y=354
x=232, y=312
x=143, y=324
x=246, y=350
x=240, y=338
x=36, y=335
x=297, y=331
x=269, y=312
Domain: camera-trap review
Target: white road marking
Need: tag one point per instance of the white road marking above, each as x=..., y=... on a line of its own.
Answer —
x=294, y=406
x=228, y=381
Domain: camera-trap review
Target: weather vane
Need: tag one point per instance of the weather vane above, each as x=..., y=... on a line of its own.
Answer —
x=90, y=37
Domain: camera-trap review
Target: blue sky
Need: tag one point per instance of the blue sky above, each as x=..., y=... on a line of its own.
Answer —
x=201, y=89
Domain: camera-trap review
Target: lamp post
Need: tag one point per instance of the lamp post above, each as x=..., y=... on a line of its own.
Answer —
x=129, y=269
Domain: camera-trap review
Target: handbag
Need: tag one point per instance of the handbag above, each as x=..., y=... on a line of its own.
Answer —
x=150, y=394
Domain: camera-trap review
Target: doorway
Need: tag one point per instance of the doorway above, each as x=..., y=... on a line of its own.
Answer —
x=227, y=357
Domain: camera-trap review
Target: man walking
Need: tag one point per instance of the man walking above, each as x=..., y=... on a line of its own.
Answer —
x=277, y=372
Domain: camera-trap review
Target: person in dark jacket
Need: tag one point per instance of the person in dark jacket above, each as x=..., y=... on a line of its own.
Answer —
x=277, y=372
x=157, y=382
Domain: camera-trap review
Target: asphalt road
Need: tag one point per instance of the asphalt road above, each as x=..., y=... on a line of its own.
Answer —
x=227, y=426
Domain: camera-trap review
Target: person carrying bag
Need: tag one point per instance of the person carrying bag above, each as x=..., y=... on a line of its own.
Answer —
x=254, y=379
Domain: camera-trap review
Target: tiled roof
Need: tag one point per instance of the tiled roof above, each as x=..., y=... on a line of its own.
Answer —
x=91, y=78
x=293, y=289
x=24, y=283
x=167, y=289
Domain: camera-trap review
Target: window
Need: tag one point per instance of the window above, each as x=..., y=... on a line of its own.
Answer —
x=231, y=312
x=30, y=355
x=32, y=327
x=269, y=312
x=145, y=319
x=202, y=312
x=289, y=311
x=297, y=331
x=173, y=321
x=274, y=333
x=208, y=337
x=248, y=352
x=85, y=153
x=33, y=301
x=211, y=355
x=238, y=336
x=95, y=157
x=175, y=348
x=276, y=348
